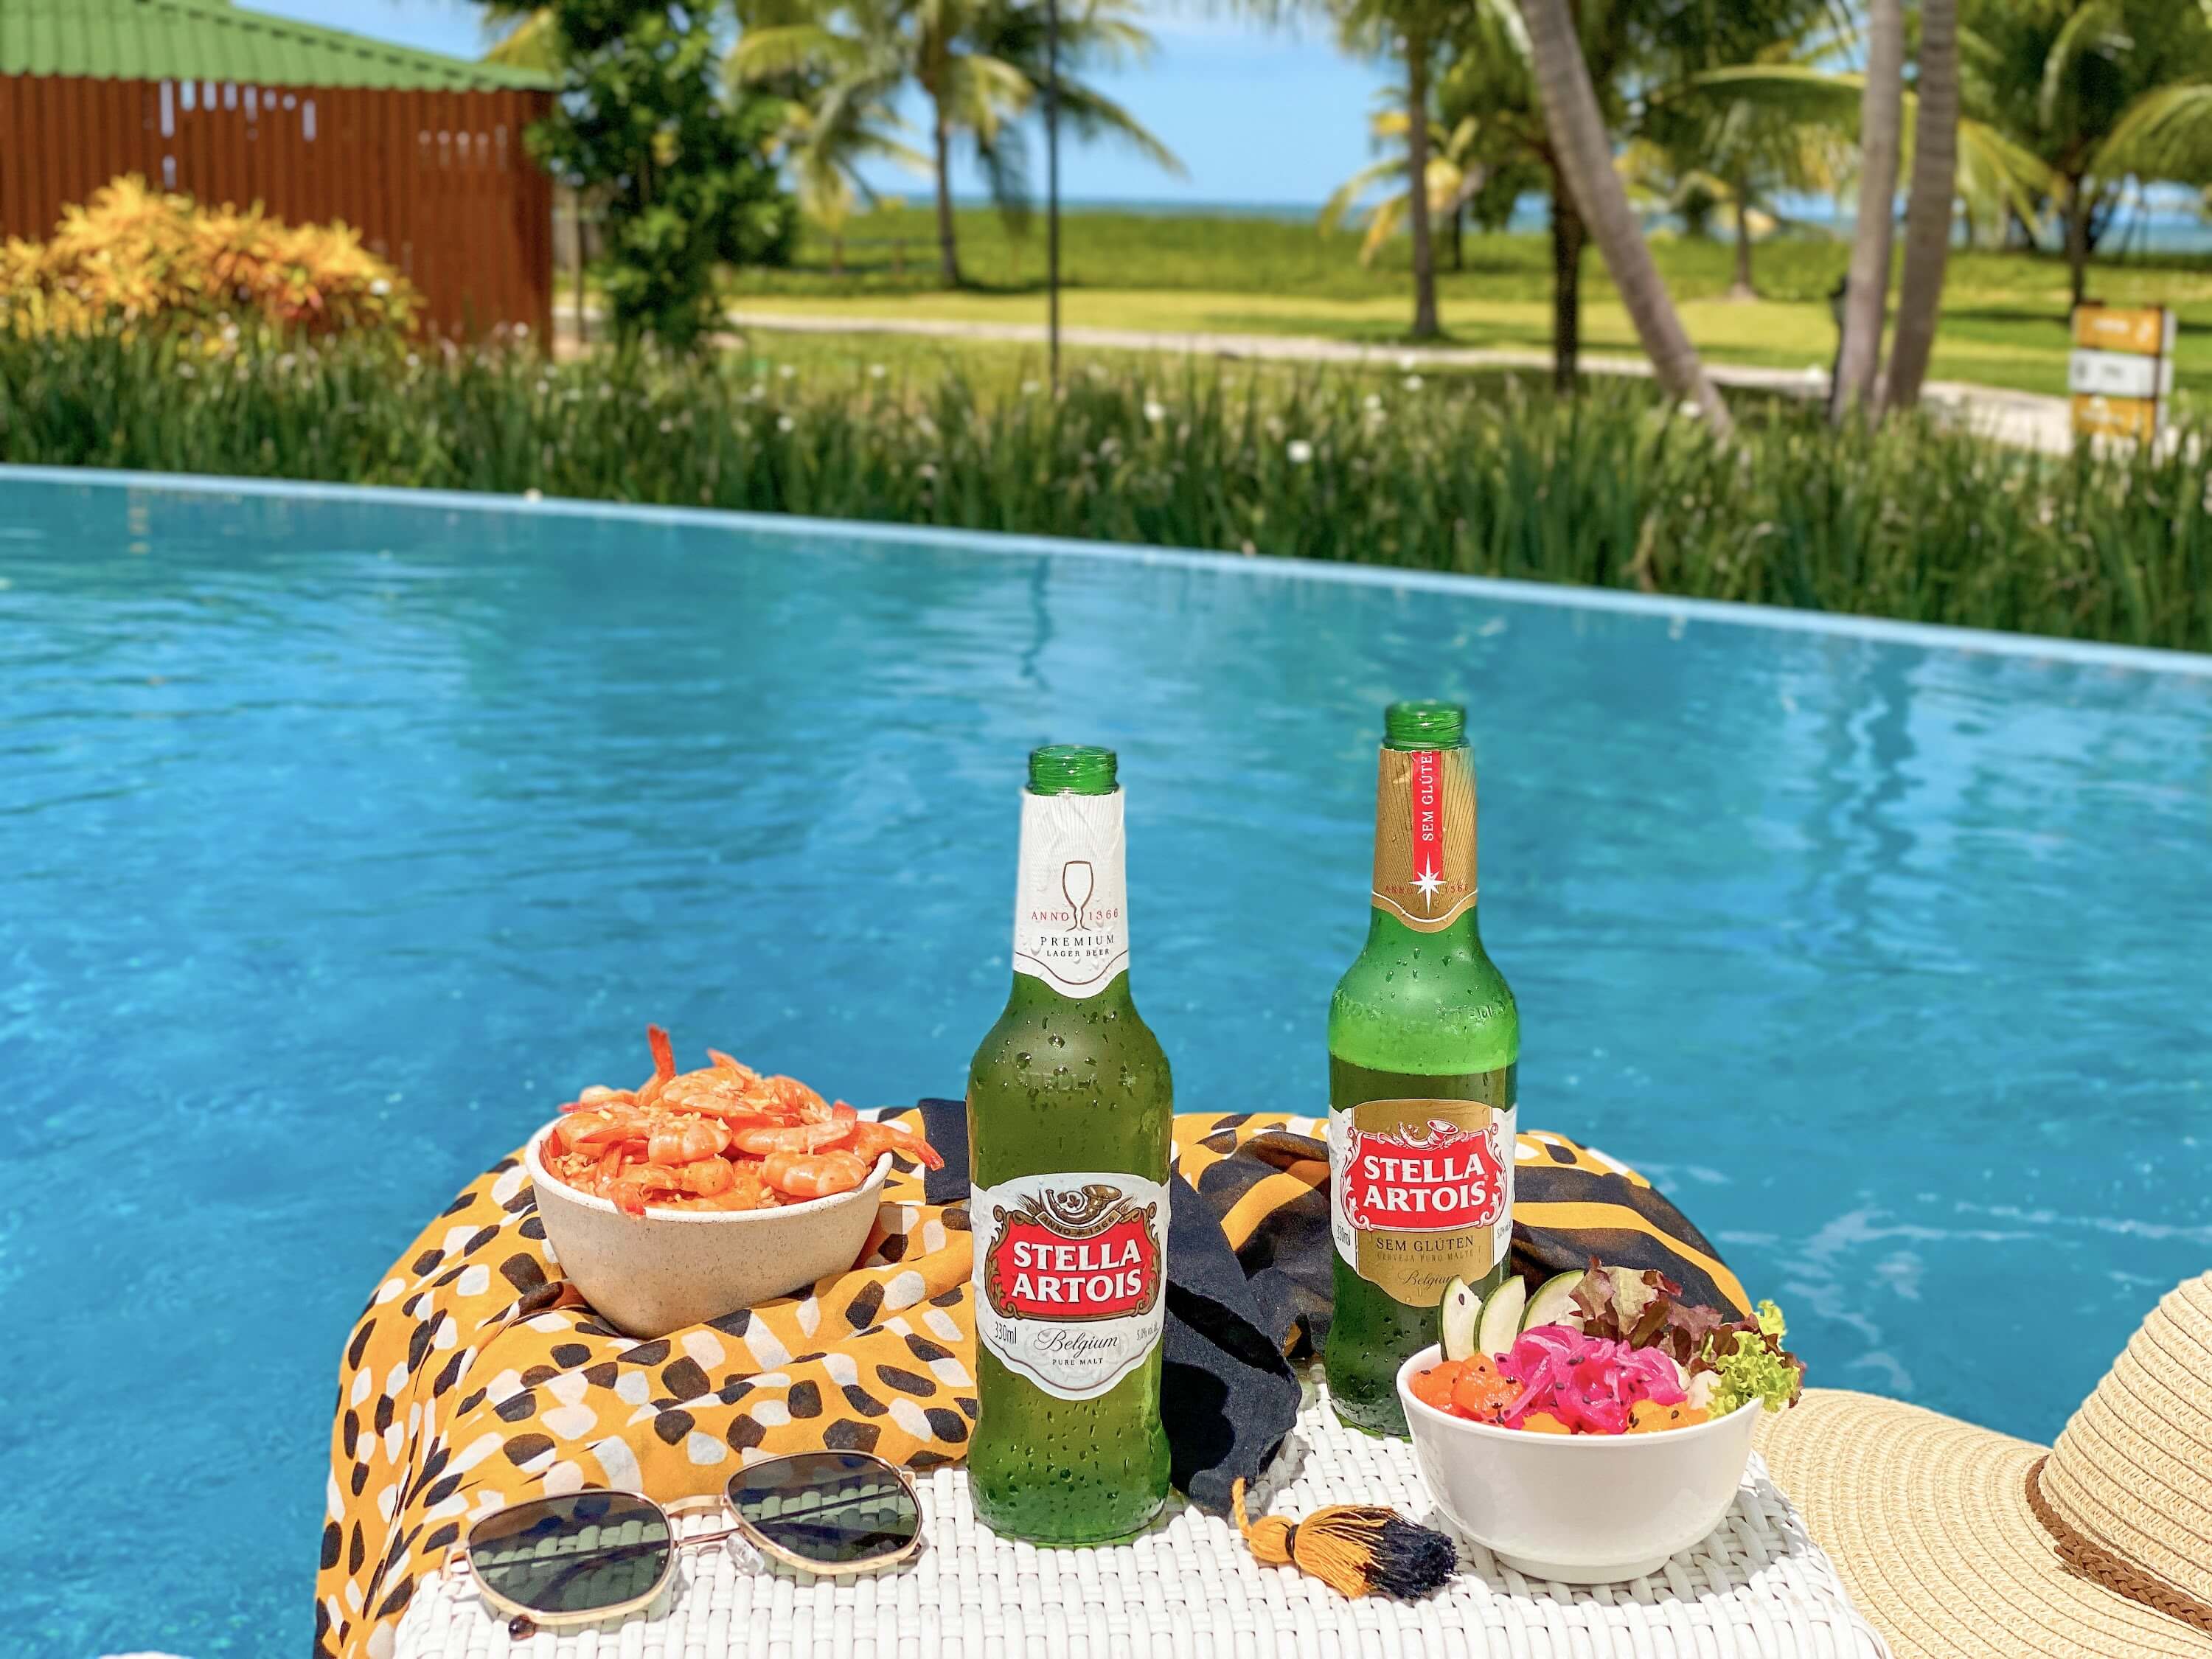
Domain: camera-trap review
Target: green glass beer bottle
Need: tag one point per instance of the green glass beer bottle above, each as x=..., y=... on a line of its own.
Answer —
x=1070, y=1131
x=1424, y=1041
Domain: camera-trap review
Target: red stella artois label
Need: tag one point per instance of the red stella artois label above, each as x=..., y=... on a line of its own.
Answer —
x=1070, y=1271
x=1421, y=1192
x=1424, y=837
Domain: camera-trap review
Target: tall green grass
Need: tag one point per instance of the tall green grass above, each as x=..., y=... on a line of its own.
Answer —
x=1484, y=475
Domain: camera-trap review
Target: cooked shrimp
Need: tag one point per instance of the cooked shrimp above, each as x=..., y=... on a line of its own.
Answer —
x=686, y=1140
x=664, y=1064
x=791, y=1137
x=635, y=1187
x=872, y=1140
x=813, y=1175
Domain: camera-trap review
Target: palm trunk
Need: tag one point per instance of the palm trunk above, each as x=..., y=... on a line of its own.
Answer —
x=1585, y=156
x=1881, y=127
x=1417, y=169
x=1928, y=213
x=1567, y=239
x=948, y=250
x=2077, y=237
x=1741, y=287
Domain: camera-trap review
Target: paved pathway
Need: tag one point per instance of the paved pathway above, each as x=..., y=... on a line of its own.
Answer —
x=2015, y=418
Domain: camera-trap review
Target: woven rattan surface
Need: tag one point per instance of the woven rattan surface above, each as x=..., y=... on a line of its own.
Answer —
x=1757, y=1588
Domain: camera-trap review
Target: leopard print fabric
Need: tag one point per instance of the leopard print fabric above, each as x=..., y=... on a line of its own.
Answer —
x=476, y=1376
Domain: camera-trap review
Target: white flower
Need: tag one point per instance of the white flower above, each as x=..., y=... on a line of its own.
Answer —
x=414, y=361
x=787, y=370
x=1299, y=451
x=1155, y=410
x=1412, y=383
x=875, y=371
x=379, y=288
x=1407, y=362
x=534, y=494
x=667, y=427
x=1029, y=388
x=1373, y=402
x=522, y=331
x=1814, y=374
x=1688, y=409
x=785, y=423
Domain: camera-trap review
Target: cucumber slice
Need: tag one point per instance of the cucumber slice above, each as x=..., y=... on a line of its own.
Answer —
x=1554, y=1303
x=1501, y=1316
x=1455, y=1322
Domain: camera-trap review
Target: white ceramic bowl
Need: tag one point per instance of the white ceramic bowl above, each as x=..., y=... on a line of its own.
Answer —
x=1581, y=1508
x=657, y=1272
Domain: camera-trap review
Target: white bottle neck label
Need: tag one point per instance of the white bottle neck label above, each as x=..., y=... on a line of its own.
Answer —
x=1071, y=916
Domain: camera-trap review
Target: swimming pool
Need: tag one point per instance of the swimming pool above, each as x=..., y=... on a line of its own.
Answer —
x=342, y=832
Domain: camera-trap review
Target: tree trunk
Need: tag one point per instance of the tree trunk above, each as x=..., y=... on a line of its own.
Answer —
x=1881, y=127
x=1584, y=150
x=1567, y=239
x=2077, y=237
x=1928, y=213
x=948, y=250
x=1417, y=169
x=1459, y=236
x=1741, y=287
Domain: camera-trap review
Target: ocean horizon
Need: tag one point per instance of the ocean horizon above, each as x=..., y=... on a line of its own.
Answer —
x=2174, y=226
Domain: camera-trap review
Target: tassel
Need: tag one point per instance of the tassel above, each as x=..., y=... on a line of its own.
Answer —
x=1355, y=1549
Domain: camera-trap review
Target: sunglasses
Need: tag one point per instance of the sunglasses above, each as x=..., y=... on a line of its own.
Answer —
x=591, y=1555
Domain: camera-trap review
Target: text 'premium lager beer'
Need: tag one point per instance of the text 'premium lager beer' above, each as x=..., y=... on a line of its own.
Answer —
x=1070, y=1131
x=1423, y=1043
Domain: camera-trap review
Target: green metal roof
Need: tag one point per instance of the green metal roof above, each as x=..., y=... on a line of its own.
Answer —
x=210, y=40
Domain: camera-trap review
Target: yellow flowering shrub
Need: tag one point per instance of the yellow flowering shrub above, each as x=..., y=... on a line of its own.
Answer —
x=134, y=255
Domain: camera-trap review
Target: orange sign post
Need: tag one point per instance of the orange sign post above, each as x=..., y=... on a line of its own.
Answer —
x=2121, y=371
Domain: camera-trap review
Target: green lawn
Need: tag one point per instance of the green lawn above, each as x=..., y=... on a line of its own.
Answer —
x=2004, y=318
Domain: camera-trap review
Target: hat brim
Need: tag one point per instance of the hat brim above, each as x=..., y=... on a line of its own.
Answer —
x=1927, y=1521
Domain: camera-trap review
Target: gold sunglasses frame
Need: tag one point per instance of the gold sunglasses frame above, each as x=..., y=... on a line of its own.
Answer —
x=734, y=1525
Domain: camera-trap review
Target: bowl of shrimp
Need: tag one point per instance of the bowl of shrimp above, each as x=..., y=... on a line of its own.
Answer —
x=699, y=1193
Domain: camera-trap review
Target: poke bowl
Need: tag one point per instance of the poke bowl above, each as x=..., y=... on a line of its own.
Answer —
x=701, y=1193
x=1577, y=1509
x=1587, y=1432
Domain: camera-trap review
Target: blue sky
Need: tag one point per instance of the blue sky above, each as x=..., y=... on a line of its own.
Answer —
x=1258, y=116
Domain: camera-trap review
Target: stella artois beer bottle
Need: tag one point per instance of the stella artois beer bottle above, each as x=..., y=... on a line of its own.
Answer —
x=1069, y=1133
x=1423, y=1043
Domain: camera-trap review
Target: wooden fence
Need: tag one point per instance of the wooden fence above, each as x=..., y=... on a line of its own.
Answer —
x=436, y=182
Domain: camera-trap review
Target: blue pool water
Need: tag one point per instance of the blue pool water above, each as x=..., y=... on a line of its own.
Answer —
x=339, y=836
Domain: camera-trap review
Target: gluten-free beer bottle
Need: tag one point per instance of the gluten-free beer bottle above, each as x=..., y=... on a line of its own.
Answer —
x=1070, y=1130
x=1424, y=1041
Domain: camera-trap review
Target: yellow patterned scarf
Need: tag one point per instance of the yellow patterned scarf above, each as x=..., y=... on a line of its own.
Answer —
x=476, y=1376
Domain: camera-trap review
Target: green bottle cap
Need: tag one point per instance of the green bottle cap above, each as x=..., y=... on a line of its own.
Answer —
x=1424, y=725
x=1071, y=768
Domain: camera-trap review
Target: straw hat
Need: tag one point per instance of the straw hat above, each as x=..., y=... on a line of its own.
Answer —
x=1959, y=1543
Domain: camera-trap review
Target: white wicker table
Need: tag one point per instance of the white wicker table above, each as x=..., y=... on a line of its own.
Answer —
x=1757, y=1589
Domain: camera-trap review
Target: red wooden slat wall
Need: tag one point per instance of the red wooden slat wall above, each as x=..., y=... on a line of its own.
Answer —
x=436, y=182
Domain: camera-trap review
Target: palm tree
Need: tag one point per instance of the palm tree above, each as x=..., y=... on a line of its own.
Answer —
x=978, y=63
x=1456, y=175
x=1881, y=130
x=1584, y=150
x=825, y=140
x=1412, y=30
x=1928, y=211
x=2085, y=86
x=1705, y=150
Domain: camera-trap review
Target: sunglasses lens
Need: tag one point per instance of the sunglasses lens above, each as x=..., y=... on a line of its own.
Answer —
x=574, y=1554
x=831, y=1508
